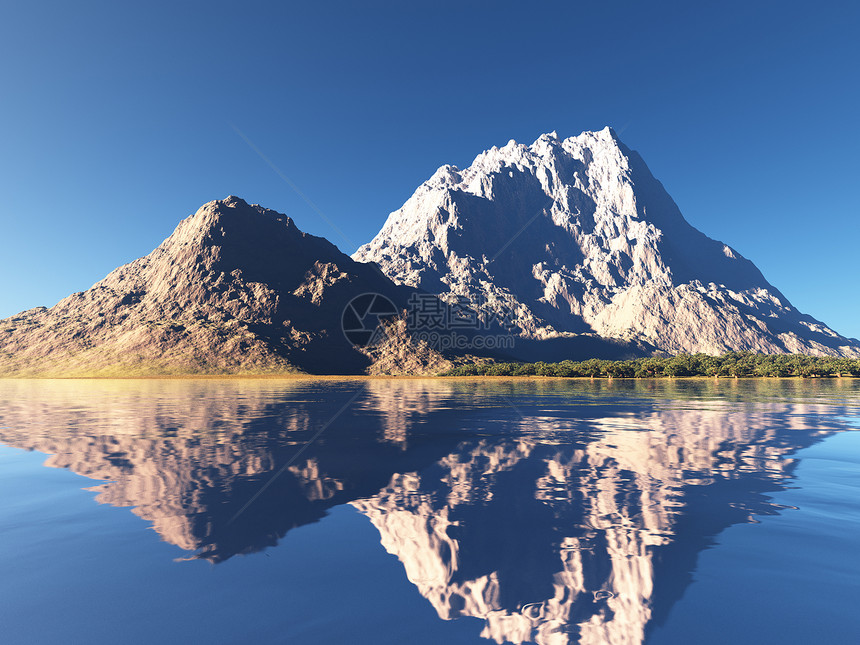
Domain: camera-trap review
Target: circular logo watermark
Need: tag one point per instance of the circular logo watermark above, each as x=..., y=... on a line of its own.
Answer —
x=362, y=317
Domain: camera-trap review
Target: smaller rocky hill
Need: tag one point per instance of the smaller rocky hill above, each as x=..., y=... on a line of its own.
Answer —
x=236, y=288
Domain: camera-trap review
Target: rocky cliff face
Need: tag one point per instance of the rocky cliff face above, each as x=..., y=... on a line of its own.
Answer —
x=576, y=237
x=236, y=288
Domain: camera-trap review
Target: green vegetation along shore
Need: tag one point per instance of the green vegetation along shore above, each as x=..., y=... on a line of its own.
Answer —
x=731, y=364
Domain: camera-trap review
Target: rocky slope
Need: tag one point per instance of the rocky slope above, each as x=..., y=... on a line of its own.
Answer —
x=576, y=237
x=235, y=289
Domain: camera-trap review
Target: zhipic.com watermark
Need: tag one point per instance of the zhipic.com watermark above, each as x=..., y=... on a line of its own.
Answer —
x=456, y=340
x=449, y=323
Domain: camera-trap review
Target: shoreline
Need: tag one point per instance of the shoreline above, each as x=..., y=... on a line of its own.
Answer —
x=413, y=377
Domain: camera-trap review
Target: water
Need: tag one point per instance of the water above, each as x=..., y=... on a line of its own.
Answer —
x=430, y=511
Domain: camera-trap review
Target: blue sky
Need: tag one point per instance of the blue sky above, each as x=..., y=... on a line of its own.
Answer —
x=117, y=120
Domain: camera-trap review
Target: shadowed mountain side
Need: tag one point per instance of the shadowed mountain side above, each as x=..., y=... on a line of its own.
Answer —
x=235, y=289
x=692, y=255
x=556, y=512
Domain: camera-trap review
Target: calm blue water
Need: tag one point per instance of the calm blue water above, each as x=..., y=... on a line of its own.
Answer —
x=430, y=511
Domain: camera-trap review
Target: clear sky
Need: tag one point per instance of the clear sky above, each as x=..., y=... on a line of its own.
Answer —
x=118, y=119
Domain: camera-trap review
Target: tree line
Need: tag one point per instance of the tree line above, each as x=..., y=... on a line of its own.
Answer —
x=730, y=364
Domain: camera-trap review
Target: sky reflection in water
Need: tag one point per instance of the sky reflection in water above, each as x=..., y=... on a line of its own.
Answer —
x=535, y=511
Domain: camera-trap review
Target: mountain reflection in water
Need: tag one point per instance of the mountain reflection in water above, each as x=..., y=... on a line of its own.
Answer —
x=555, y=511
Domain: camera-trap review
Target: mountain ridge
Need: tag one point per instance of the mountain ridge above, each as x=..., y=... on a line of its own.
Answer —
x=573, y=243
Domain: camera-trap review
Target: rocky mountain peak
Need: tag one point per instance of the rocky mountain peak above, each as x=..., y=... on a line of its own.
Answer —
x=232, y=222
x=235, y=288
x=576, y=236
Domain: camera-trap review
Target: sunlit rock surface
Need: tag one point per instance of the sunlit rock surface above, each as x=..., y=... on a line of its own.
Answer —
x=576, y=236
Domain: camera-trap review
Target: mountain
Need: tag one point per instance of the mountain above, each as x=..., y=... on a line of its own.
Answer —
x=573, y=244
x=236, y=288
x=576, y=237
